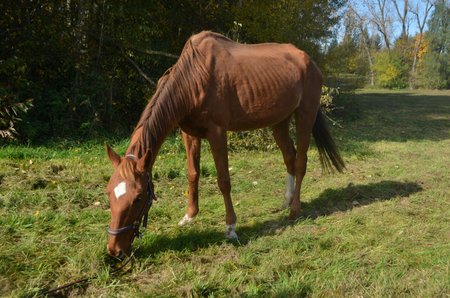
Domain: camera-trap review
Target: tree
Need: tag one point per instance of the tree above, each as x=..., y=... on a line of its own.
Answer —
x=304, y=23
x=90, y=66
x=421, y=21
x=433, y=67
x=366, y=42
x=379, y=15
x=402, y=14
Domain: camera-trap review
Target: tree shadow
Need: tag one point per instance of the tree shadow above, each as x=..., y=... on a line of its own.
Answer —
x=397, y=117
x=327, y=203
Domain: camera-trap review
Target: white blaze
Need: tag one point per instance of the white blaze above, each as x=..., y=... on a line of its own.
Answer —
x=120, y=190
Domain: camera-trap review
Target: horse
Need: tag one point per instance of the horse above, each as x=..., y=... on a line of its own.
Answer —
x=218, y=85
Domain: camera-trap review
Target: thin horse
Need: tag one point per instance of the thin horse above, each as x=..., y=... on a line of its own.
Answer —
x=219, y=85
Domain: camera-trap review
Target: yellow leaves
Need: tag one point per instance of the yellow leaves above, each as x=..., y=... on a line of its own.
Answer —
x=423, y=48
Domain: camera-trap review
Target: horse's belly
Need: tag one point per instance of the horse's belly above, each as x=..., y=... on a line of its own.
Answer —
x=264, y=93
x=253, y=113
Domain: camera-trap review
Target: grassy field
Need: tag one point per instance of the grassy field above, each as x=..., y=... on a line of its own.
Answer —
x=381, y=229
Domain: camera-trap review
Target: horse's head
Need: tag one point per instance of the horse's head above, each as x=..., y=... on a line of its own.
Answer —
x=130, y=192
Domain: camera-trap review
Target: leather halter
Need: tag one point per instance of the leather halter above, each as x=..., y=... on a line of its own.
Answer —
x=143, y=216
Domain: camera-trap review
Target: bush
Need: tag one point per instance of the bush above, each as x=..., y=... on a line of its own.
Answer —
x=433, y=72
x=15, y=92
x=9, y=116
x=391, y=71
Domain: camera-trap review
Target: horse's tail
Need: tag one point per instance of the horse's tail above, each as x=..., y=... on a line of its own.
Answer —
x=328, y=153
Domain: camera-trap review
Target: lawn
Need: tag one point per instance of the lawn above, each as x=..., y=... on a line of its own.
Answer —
x=382, y=228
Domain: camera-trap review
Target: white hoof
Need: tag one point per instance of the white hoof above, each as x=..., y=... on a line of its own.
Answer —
x=231, y=232
x=185, y=220
x=286, y=204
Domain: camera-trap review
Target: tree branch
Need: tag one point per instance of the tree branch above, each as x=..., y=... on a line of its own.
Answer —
x=140, y=71
x=152, y=52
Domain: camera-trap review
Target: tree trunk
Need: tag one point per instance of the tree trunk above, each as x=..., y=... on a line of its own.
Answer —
x=414, y=65
x=421, y=25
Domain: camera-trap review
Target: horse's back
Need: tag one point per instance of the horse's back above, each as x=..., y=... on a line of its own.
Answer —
x=255, y=85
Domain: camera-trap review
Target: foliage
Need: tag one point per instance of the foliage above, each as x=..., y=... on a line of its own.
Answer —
x=9, y=116
x=303, y=23
x=347, y=63
x=434, y=69
x=359, y=51
x=392, y=68
x=328, y=99
x=78, y=60
x=14, y=100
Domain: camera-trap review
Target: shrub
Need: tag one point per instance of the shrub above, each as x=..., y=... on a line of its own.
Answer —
x=9, y=116
x=15, y=91
x=391, y=70
x=433, y=72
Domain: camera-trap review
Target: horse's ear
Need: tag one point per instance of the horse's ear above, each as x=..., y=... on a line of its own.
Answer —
x=113, y=156
x=144, y=162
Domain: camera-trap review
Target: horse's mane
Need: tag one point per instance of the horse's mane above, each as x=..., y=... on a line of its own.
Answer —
x=127, y=168
x=173, y=96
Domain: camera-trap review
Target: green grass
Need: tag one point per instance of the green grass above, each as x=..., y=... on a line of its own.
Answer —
x=380, y=229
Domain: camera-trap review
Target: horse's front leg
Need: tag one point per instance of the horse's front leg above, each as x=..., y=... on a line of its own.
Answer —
x=192, y=145
x=217, y=138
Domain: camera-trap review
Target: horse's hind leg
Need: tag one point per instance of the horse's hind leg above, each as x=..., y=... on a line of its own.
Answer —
x=192, y=145
x=284, y=142
x=305, y=116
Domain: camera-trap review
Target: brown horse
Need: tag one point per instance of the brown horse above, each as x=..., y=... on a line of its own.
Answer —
x=219, y=85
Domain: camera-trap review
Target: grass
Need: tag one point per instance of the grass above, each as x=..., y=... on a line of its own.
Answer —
x=380, y=229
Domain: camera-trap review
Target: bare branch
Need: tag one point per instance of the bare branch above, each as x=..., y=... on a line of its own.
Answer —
x=380, y=17
x=403, y=16
x=360, y=25
x=142, y=73
x=152, y=52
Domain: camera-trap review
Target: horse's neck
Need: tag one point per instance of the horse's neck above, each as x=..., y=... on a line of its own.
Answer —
x=171, y=103
x=150, y=134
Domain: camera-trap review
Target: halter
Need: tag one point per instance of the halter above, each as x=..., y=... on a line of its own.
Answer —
x=143, y=216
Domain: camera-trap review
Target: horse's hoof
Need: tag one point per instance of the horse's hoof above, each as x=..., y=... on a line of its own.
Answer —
x=231, y=232
x=185, y=220
x=294, y=215
x=286, y=204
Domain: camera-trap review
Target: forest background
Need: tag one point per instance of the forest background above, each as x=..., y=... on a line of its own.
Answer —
x=86, y=69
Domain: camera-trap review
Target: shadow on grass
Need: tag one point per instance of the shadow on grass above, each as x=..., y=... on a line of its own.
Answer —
x=395, y=116
x=353, y=196
x=328, y=202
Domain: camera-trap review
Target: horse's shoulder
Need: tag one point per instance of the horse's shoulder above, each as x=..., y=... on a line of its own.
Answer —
x=199, y=37
x=212, y=44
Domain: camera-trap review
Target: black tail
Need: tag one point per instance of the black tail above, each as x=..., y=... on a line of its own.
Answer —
x=328, y=153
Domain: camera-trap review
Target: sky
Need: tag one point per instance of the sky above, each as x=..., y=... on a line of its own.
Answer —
x=396, y=25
